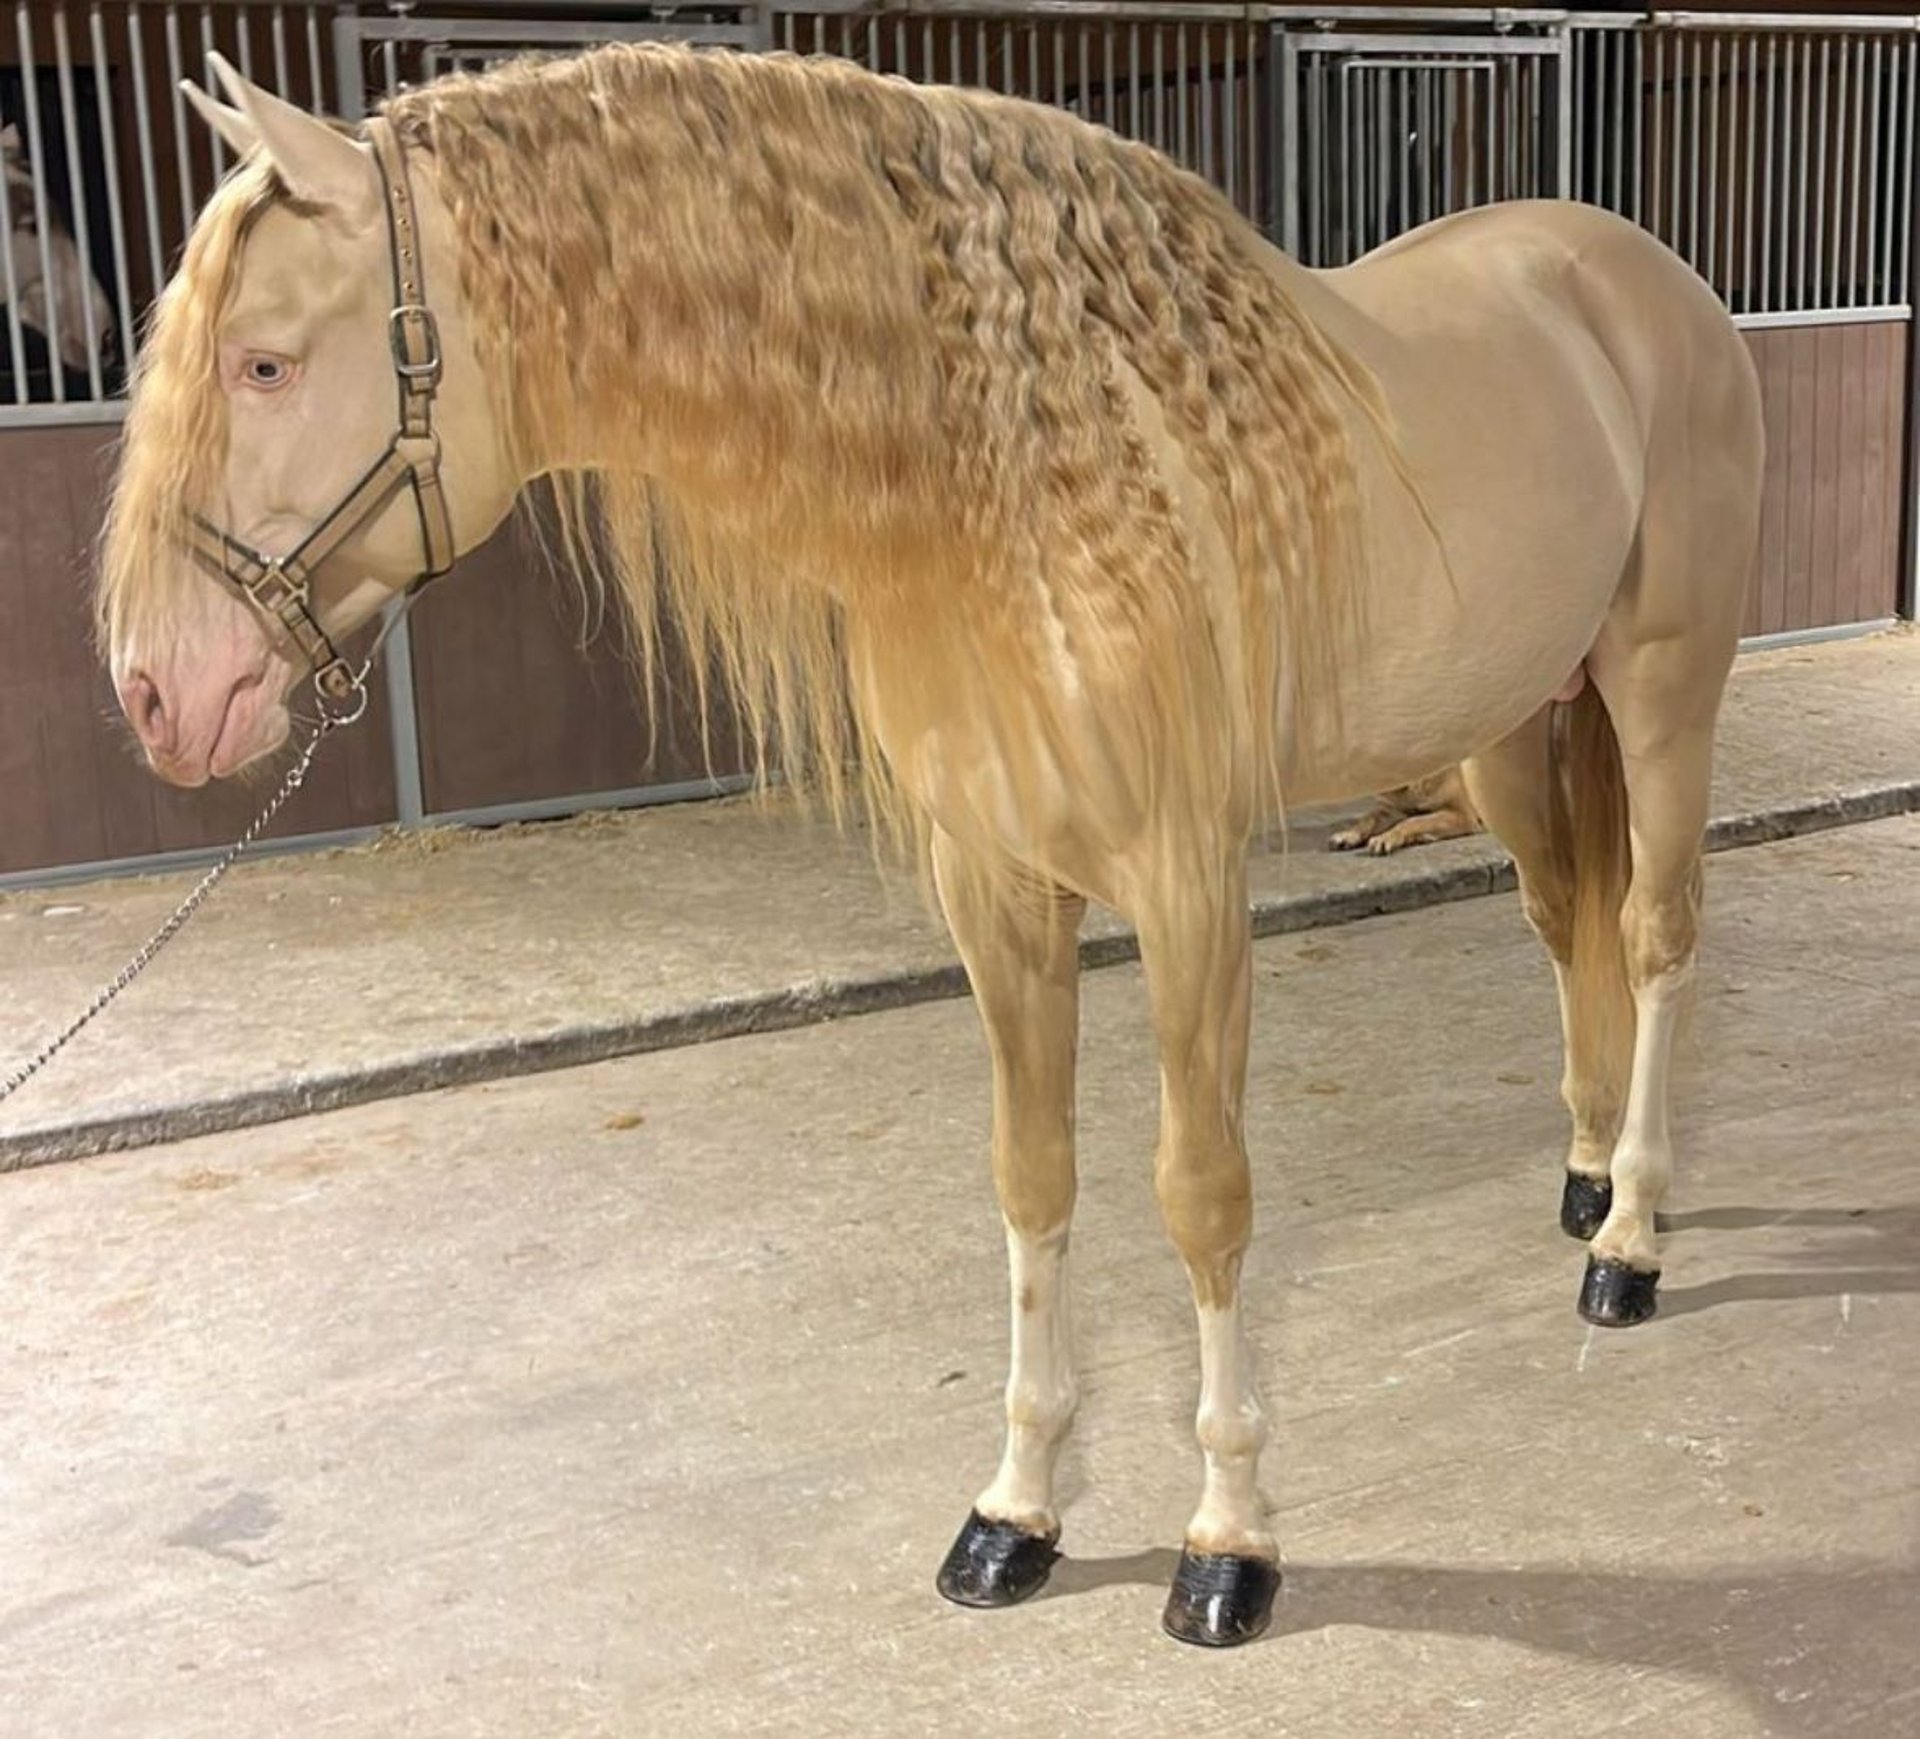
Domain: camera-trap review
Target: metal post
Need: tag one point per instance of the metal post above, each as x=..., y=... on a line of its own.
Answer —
x=1562, y=118
x=1283, y=54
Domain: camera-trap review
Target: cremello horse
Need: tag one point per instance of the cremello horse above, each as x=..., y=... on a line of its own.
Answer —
x=52, y=290
x=1002, y=463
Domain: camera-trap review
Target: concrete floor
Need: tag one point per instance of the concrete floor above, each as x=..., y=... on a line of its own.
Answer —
x=457, y=955
x=643, y=1399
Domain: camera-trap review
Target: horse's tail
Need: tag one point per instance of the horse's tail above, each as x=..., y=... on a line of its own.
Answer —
x=1588, y=807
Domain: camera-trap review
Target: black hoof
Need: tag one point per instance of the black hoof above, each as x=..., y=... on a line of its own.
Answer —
x=1616, y=1296
x=1218, y=1601
x=995, y=1564
x=1584, y=1202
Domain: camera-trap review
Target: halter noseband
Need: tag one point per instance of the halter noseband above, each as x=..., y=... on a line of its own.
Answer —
x=281, y=587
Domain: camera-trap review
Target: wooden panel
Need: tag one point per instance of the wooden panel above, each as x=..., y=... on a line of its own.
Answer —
x=71, y=788
x=1830, y=540
x=512, y=706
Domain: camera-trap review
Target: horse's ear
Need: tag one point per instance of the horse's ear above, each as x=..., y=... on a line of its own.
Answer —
x=319, y=164
x=240, y=134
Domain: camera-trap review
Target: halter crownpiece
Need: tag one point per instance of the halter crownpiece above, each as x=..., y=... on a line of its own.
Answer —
x=281, y=587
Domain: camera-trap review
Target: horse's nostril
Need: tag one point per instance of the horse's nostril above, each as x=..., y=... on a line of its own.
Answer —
x=146, y=712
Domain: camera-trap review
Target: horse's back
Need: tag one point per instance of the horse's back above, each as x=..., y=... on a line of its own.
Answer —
x=1541, y=363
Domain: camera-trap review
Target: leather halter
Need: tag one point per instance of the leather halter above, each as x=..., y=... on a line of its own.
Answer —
x=281, y=587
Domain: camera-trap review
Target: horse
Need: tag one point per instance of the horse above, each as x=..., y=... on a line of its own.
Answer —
x=1024, y=497
x=53, y=291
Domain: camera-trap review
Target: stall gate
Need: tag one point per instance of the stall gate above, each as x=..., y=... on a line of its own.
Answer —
x=1776, y=155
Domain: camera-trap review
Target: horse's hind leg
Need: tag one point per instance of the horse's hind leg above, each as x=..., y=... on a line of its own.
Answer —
x=1512, y=786
x=1665, y=732
x=1020, y=943
x=1661, y=664
x=1196, y=946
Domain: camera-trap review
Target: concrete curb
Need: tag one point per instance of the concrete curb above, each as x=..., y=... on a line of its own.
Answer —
x=834, y=999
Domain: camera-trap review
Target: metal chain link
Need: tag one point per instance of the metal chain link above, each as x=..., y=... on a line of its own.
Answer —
x=328, y=722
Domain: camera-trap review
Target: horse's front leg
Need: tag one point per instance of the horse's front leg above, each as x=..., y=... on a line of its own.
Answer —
x=1196, y=946
x=1020, y=944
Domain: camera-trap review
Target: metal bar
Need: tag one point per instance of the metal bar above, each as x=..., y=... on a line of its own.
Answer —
x=77, y=194
x=981, y=75
x=143, y=134
x=1565, y=187
x=1822, y=267
x=1881, y=314
x=1857, y=181
x=1751, y=99
x=1836, y=291
x=277, y=33
x=1349, y=245
x=1311, y=248
x=1206, y=105
x=1689, y=83
x=1086, y=81
x=1654, y=159
x=1183, y=151
x=1228, y=145
x=37, y=159
x=207, y=45
x=1876, y=82
x=317, y=61
x=1640, y=201
x=1768, y=296
x=9, y=282
x=116, y=221
x=1403, y=145
x=1449, y=124
x=1254, y=203
x=1033, y=62
x=1802, y=181
x=1901, y=289
x=1488, y=195
x=1133, y=82
x=243, y=18
x=1159, y=91
x=1714, y=213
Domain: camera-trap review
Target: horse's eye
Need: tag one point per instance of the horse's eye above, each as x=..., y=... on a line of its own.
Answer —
x=266, y=372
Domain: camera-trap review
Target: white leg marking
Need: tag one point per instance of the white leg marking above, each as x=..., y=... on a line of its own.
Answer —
x=1041, y=1390
x=1643, y=1156
x=1232, y=1431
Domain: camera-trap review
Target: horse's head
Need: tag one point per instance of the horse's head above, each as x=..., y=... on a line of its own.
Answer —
x=72, y=295
x=274, y=380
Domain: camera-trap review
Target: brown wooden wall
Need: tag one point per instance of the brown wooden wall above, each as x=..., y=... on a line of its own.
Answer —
x=518, y=701
x=512, y=709
x=1831, y=523
x=72, y=789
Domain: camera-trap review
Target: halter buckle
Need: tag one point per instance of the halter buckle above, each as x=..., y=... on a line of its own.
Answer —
x=414, y=317
x=274, y=589
x=337, y=681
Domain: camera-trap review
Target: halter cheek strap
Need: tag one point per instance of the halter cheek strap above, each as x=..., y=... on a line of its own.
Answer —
x=281, y=587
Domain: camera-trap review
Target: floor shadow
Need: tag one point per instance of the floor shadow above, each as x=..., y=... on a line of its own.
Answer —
x=1900, y=1220
x=1815, y=1651
x=1870, y=1250
x=1786, y=1283
x=1152, y=1568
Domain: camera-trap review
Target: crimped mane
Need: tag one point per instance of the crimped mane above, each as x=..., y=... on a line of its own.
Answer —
x=842, y=350
x=835, y=373
x=174, y=445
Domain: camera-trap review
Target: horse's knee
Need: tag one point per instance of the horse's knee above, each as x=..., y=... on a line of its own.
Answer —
x=1660, y=929
x=1206, y=1200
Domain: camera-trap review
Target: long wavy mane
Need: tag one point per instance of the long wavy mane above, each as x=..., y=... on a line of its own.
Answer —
x=868, y=330
x=174, y=444
x=828, y=367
